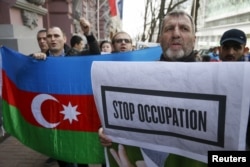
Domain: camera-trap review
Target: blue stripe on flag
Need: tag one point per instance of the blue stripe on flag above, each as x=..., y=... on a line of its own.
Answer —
x=64, y=75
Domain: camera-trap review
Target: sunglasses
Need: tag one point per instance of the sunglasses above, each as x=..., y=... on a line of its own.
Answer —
x=121, y=40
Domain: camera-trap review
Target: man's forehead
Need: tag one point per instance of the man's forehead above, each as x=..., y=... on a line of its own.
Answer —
x=122, y=35
x=42, y=35
x=173, y=19
x=54, y=30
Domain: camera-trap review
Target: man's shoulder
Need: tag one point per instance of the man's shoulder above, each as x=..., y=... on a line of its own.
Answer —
x=72, y=52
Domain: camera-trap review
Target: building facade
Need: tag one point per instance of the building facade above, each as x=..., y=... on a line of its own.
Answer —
x=20, y=20
x=215, y=17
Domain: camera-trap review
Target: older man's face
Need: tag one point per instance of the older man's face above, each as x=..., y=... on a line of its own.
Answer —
x=177, y=38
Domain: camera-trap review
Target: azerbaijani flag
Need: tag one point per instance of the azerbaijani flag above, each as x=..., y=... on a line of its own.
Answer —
x=49, y=106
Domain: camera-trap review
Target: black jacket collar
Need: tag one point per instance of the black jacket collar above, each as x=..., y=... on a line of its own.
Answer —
x=190, y=58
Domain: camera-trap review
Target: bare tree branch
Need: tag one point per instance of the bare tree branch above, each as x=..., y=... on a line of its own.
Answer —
x=153, y=16
x=194, y=11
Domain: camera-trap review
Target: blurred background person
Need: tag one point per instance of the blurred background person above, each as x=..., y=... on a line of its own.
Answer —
x=42, y=40
x=206, y=58
x=106, y=47
x=77, y=45
x=246, y=54
x=214, y=54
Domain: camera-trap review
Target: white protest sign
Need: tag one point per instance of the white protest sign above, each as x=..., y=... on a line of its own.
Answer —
x=181, y=108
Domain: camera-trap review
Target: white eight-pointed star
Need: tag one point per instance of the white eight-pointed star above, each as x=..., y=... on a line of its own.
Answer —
x=70, y=112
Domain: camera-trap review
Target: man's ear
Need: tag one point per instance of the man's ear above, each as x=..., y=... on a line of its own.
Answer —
x=246, y=49
x=159, y=38
x=65, y=38
x=219, y=48
x=194, y=39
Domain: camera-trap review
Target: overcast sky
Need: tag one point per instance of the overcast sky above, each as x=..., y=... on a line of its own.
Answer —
x=133, y=16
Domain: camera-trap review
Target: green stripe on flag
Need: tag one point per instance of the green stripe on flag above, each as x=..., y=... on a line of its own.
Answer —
x=70, y=146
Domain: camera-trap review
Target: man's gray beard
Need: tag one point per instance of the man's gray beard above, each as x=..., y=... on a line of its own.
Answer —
x=174, y=55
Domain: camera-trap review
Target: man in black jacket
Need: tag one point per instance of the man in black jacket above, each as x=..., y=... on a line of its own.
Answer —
x=56, y=40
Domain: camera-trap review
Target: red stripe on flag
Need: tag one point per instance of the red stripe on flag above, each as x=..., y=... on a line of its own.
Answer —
x=113, y=8
x=51, y=109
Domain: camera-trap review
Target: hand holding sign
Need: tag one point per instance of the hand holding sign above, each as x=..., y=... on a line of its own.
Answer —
x=122, y=159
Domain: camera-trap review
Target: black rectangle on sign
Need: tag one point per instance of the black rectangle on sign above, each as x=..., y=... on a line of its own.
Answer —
x=220, y=99
x=228, y=158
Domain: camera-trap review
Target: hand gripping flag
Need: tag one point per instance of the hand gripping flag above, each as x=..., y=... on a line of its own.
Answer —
x=49, y=105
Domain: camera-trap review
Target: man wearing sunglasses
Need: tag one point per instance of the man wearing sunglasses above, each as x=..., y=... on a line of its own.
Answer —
x=122, y=42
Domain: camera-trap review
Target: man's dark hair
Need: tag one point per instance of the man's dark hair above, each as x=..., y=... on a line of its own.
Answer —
x=75, y=40
x=103, y=42
x=42, y=30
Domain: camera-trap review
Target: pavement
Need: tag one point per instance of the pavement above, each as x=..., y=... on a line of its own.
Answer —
x=14, y=154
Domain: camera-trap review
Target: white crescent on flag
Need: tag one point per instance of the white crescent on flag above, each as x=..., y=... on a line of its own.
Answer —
x=36, y=110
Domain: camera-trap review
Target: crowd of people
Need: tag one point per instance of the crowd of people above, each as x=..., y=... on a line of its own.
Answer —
x=52, y=42
x=212, y=55
x=177, y=40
